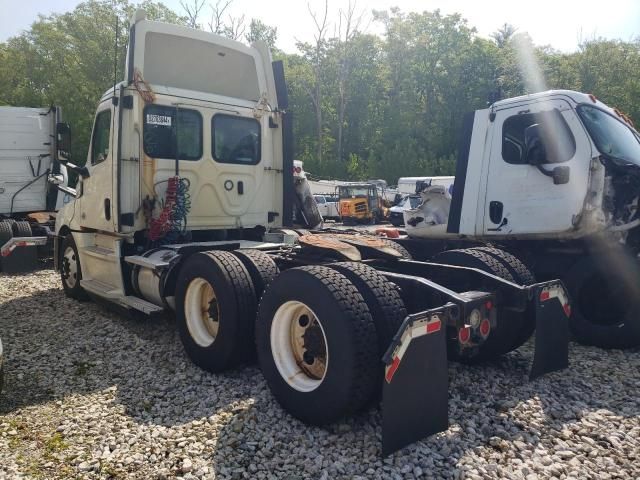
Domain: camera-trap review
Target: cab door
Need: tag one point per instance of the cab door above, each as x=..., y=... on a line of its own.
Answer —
x=96, y=201
x=519, y=197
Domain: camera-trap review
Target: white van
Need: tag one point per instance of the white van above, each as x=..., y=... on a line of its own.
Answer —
x=407, y=185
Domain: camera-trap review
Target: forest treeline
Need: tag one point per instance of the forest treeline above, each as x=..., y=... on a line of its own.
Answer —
x=365, y=105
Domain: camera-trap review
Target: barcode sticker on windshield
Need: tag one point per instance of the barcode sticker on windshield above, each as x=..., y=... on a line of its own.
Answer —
x=162, y=120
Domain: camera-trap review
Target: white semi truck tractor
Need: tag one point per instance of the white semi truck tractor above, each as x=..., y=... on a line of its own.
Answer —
x=184, y=207
x=553, y=178
x=29, y=173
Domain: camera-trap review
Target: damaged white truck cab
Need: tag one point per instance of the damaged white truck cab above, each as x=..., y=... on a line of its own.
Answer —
x=554, y=176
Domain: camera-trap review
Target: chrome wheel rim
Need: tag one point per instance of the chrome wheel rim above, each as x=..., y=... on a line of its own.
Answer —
x=70, y=267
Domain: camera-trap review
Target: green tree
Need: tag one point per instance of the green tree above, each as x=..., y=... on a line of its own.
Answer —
x=259, y=30
x=64, y=60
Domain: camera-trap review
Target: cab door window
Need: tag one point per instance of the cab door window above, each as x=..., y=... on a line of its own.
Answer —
x=557, y=136
x=100, y=141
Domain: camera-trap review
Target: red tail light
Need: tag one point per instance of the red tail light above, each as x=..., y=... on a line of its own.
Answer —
x=464, y=334
x=485, y=328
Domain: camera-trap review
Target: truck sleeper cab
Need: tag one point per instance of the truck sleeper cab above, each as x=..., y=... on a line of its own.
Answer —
x=184, y=206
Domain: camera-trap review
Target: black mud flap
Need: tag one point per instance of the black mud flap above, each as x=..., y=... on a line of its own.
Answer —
x=415, y=391
x=552, y=329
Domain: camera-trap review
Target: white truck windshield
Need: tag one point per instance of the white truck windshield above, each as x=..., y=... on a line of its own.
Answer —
x=612, y=137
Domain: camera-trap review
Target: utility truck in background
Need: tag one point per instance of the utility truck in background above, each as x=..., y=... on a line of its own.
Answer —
x=554, y=178
x=361, y=202
x=29, y=173
x=185, y=205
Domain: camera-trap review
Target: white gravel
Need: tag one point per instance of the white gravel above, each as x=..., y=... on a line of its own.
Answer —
x=91, y=394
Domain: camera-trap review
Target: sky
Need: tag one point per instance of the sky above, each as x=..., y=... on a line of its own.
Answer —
x=560, y=24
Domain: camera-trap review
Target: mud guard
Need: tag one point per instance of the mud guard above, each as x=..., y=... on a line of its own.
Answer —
x=552, y=329
x=415, y=391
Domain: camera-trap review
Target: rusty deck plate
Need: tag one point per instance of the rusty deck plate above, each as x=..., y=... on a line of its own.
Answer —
x=368, y=241
x=329, y=242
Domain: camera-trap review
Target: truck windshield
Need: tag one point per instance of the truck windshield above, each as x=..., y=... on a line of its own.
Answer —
x=612, y=137
x=414, y=201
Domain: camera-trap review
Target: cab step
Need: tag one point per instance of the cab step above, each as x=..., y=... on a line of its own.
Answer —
x=101, y=289
x=147, y=262
x=141, y=305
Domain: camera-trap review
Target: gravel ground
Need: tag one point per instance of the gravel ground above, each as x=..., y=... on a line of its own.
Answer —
x=90, y=394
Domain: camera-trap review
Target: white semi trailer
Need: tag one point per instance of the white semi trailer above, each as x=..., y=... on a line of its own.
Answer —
x=185, y=204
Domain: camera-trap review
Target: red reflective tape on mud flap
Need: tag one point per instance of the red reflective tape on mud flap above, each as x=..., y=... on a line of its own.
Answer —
x=434, y=326
x=418, y=329
x=10, y=246
x=391, y=369
x=557, y=291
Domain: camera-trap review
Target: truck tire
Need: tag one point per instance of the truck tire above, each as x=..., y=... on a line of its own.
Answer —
x=333, y=370
x=523, y=276
x=70, y=270
x=261, y=267
x=600, y=315
x=518, y=270
x=381, y=296
x=215, y=310
x=11, y=222
x=502, y=339
x=22, y=229
x=397, y=247
x=6, y=232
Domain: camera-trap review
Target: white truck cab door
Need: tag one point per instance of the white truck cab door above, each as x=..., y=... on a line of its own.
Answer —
x=96, y=204
x=519, y=198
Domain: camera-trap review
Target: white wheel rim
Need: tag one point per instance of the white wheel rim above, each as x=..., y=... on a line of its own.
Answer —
x=295, y=341
x=70, y=267
x=202, y=312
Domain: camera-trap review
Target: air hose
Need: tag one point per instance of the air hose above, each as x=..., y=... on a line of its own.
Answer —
x=172, y=221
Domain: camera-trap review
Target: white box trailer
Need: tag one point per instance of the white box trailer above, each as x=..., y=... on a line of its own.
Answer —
x=28, y=197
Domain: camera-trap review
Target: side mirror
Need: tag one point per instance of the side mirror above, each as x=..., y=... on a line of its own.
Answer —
x=72, y=192
x=63, y=142
x=560, y=175
x=55, y=179
x=535, y=151
x=80, y=170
